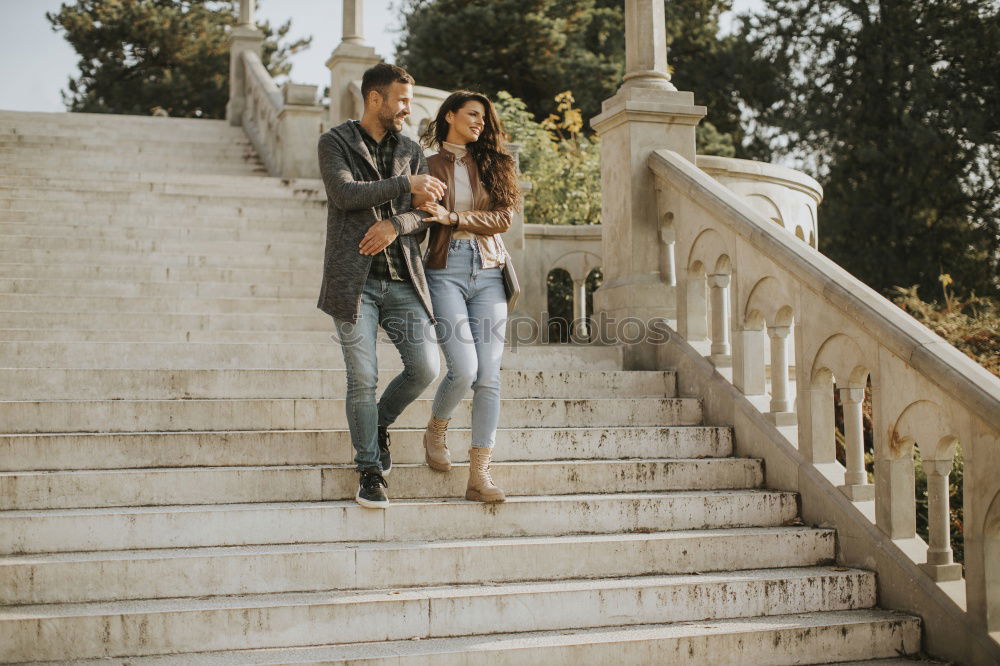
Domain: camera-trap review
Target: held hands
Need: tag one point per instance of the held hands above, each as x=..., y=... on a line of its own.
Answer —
x=426, y=187
x=438, y=212
x=379, y=236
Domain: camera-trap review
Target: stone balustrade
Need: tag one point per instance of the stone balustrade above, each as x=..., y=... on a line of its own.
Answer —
x=743, y=284
x=283, y=125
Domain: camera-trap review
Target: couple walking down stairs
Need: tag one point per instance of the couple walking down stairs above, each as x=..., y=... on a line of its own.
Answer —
x=175, y=468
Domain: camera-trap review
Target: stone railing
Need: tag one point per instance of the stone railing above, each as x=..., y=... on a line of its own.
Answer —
x=745, y=288
x=283, y=125
x=573, y=248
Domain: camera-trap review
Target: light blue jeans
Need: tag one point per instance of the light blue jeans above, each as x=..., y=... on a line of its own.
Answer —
x=394, y=306
x=470, y=307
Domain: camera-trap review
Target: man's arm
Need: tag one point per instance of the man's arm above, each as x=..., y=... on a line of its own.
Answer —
x=347, y=193
x=412, y=221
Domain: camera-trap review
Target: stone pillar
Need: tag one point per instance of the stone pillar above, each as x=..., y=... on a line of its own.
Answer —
x=781, y=407
x=246, y=37
x=856, y=484
x=348, y=63
x=354, y=15
x=719, y=289
x=582, y=331
x=940, y=565
x=646, y=114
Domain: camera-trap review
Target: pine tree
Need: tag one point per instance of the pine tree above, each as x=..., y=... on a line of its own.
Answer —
x=897, y=106
x=139, y=54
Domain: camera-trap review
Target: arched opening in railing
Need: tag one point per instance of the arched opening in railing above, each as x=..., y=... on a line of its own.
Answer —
x=559, y=305
x=991, y=552
x=925, y=427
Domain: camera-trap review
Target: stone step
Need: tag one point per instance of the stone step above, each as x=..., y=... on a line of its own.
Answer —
x=108, y=384
x=181, y=207
x=234, y=167
x=324, y=447
x=111, y=416
x=135, y=528
x=140, y=335
x=306, y=618
x=147, y=273
x=255, y=186
x=27, y=146
x=147, y=247
x=151, y=217
x=55, y=303
x=40, y=256
x=20, y=121
x=109, y=288
x=169, y=325
x=143, y=197
x=193, y=572
x=165, y=232
x=152, y=179
x=290, y=356
x=800, y=638
x=24, y=491
x=197, y=154
x=70, y=140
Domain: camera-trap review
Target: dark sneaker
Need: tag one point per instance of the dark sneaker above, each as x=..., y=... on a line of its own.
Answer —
x=383, y=450
x=370, y=494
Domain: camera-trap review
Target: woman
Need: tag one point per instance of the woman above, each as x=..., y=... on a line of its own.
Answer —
x=464, y=260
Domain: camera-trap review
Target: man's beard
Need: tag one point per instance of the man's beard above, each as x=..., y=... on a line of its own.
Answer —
x=391, y=122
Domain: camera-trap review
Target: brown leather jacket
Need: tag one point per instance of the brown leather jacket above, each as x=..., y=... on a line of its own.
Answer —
x=485, y=221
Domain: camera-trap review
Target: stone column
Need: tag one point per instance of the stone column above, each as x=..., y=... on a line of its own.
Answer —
x=940, y=565
x=646, y=114
x=582, y=332
x=347, y=64
x=719, y=289
x=246, y=37
x=781, y=407
x=856, y=484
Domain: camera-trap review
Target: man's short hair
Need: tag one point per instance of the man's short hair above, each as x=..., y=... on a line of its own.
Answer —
x=380, y=77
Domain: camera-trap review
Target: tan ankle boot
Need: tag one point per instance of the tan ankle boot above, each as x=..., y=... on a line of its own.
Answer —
x=435, y=448
x=481, y=487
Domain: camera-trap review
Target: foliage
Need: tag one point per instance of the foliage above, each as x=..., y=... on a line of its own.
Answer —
x=136, y=55
x=536, y=48
x=897, y=105
x=558, y=160
x=971, y=324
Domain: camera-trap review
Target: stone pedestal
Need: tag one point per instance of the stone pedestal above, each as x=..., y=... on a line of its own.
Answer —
x=347, y=64
x=632, y=124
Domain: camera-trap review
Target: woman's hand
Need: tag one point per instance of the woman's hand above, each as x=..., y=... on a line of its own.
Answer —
x=438, y=212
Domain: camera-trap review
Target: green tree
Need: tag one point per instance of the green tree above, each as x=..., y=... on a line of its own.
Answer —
x=535, y=49
x=139, y=54
x=897, y=106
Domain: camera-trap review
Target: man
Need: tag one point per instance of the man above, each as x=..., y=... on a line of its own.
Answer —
x=373, y=274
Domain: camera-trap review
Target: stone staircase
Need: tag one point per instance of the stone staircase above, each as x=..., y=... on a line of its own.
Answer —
x=175, y=476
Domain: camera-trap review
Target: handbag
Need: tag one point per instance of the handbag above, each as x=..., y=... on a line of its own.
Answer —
x=511, y=286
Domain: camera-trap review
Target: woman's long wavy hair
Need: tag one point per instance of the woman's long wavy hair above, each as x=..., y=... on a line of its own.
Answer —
x=496, y=166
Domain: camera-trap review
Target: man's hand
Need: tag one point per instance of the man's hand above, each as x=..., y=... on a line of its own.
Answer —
x=379, y=236
x=427, y=186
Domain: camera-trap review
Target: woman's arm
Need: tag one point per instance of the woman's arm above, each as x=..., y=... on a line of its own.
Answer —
x=485, y=222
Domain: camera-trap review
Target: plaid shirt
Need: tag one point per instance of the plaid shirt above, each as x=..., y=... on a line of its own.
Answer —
x=388, y=264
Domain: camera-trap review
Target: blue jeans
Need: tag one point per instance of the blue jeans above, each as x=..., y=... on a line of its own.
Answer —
x=470, y=307
x=394, y=306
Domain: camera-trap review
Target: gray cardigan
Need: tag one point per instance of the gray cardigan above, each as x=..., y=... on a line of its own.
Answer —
x=353, y=190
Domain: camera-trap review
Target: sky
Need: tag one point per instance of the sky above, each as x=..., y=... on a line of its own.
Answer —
x=36, y=63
